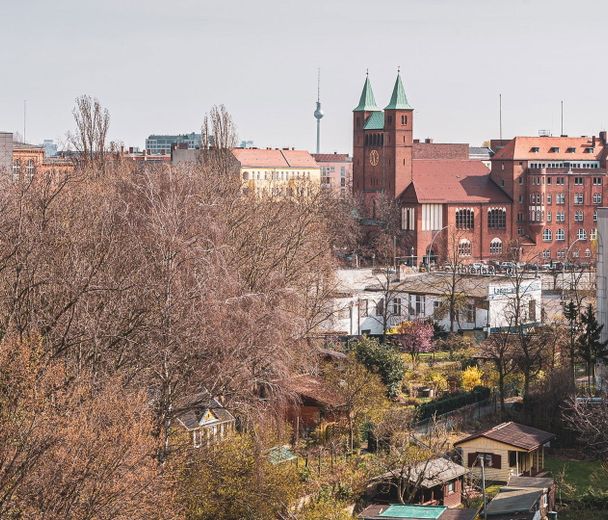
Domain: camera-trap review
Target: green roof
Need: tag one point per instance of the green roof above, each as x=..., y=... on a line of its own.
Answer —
x=398, y=99
x=375, y=122
x=367, y=102
x=407, y=511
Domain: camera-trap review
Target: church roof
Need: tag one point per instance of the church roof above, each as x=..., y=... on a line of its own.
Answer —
x=375, y=121
x=453, y=181
x=367, y=102
x=398, y=99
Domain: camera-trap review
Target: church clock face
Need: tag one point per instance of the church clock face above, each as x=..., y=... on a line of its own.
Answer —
x=374, y=158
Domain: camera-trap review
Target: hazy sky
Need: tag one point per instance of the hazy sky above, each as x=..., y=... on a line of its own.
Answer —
x=159, y=65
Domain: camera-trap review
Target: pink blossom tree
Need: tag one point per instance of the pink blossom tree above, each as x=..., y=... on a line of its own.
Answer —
x=414, y=338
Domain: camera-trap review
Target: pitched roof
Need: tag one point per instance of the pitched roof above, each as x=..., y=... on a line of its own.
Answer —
x=331, y=157
x=375, y=122
x=531, y=482
x=513, y=500
x=398, y=98
x=437, y=471
x=195, y=407
x=521, y=148
x=314, y=388
x=514, y=434
x=454, y=181
x=275, y=158
x=367, y=102
x=384, y=512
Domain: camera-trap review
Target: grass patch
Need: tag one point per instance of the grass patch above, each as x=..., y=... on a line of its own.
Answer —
x=579, y=473
x=582, y=514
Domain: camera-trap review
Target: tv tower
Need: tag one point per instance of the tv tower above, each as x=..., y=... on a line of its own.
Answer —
x=318, y=112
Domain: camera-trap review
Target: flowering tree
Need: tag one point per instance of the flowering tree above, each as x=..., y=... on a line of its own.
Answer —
x=414, y=338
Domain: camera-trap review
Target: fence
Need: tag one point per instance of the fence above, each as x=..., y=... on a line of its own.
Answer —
x=459, y=417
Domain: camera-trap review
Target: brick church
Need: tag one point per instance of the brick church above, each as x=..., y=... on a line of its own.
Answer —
x=539, y=196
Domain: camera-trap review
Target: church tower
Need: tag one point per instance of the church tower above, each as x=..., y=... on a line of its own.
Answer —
x=366, y=149
x=382, y=144
x=399, y=126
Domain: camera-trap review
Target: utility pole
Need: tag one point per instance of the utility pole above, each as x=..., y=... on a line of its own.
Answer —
x=24, y=119
x=500, y=115
x=483, y=487
x=562, y=118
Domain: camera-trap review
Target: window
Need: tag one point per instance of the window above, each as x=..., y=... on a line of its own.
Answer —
x=560, y=216
x=496, y=246
x=397, y=306
x=469, y=313
x=380, y=307
x=547, y=235
x=16, y=170
x=579, y=198
x=589, y=149
x=450, y=488
x=570, y=149
x=559, y=180
x=554, y=149
x=549, y=216
x=408, y=219
x=597, y=181
x=29, y=168
x=595, y=216
x=417, y=305
x=497, y=218
x=548, y=198
x=578, y=215
x=532, y=310
x=535, y=149
x=546, y=254
x=512, y=459
x=597, y=198
x=578, y=181
x=364, y=308
x=245, y=176
x=548, y=180
x=465, y=219
x=464, y=248
x=593, y=234
x=404, y=120
x=587, y=253
x=561, y=254
x=560, y=235
x=560, y=198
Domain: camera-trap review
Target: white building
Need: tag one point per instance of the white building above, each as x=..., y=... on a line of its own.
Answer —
x=369, y=301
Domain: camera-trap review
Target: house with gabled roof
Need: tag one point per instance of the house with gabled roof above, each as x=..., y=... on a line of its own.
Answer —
x=205, y=419
x=506, y=450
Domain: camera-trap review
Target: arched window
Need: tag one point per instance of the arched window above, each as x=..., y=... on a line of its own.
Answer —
x=547, y=235
x=16, y=169
x=560, y=235
x=245, y=176
x=496, y=246
x=587, y=253
x=581, y=234
x=465, y=218
x=464, y=247
x=404, y=120
x=497, y=218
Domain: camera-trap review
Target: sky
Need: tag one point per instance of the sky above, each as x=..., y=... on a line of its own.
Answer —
x=159, y=65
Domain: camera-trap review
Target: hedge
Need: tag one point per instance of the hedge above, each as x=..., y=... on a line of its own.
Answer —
x=451, y=402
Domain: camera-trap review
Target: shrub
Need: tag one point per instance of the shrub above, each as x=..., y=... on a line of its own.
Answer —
x=452, y=402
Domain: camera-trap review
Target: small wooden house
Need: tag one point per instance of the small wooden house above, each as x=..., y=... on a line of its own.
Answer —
x=509, y=449
x=205, y=419
x=438, y=482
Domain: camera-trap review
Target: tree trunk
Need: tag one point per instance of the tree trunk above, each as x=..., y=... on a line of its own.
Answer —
x=501, y=391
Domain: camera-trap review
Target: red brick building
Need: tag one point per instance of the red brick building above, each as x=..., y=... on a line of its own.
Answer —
x=540, y=194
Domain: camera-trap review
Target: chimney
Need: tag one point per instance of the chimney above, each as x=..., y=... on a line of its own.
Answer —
x=603, y=137
x=130, y=149
x=416, y=141
x=428, y=140
x=593, y=141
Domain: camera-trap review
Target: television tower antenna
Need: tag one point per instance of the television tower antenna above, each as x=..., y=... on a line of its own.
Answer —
x=318, y=112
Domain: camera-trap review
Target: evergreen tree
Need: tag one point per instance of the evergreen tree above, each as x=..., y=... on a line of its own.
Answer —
x=590, y=347
x=571, y=314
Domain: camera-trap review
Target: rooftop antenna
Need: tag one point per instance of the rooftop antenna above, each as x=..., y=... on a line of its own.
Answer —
x=562, y=119
x=24, y=119
x=318, y=112
x=500, y=115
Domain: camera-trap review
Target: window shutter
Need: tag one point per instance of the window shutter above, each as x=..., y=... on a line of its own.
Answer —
x=496, y=460
x=472, y=459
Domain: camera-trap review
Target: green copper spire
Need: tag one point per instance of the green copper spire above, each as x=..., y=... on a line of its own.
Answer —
x=398, y=99
x=367, y=103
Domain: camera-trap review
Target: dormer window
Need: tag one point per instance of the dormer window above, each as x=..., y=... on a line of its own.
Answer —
x=589, y=149
x=554, y=149
x=571, y=149
x=535, y=149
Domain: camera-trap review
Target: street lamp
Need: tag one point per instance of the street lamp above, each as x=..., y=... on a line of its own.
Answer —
x=428, y=256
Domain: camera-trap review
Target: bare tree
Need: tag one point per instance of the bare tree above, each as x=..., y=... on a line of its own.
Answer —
x=90, y=138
